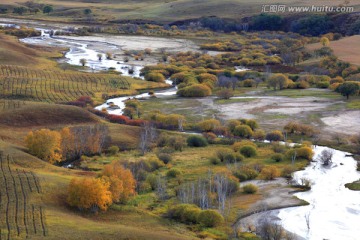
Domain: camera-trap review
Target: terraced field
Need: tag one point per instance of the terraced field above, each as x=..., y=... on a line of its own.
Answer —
x=19, y=218
x=55, y=86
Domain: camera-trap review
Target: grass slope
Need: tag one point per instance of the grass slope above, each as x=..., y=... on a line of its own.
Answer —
x=13, y=52
x=35, y=115
x=164, y=11
x=345, y=49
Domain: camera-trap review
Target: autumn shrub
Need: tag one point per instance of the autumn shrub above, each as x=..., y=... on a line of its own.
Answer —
x=287, y=171
x=248, y=151
x=274, y=136
x=259, y=135
x=223, y=153
x=337, y=79
x=118, y=119
x=214, y=160
x=243, y=131
x=210, y=136
x=121, y=182
x=209, y=125
x=195, y=90
x=155, y=77
x=207, y=77
x=305, y=152
x=231, y=124
x=185, y=213
x=322, y=84
x=269, y=173
x=45, y=144
x=249, y=83
x=225, y=93
x=196, y=141
x=113, y=150
x=238, y=145
x=250, y=188
x=178, y=143
x=153, y=164
x=152, y=180
x=252, y=123
x=278, y=148
x=244, y=173
x=210, y=218
x=89, y=194
x=173, y=173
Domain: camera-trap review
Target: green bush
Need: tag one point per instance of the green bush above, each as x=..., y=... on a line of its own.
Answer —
x=196, y=141
x=243, y=131
x=245, y=173
x=155, y=77
x=322, y=84
x=259, y=134
x=185, y=213
x=274, y=136
x=152, y=164
x=151, y=179
x=195, y=90
x=215, y=160
x=287, y=171
x=248, y=151
x=277, y=157
x=210, y=218
x=249, y=83
x=239, y=157
x=250, y=188
x=238, y=145
x=165, y=157
x=113, y=150
x=252, y=123
x=173, y=173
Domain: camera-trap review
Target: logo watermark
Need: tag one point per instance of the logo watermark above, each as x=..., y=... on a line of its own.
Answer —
x=277, y=8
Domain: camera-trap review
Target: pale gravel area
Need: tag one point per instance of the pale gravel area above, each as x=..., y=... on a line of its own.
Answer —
x=343, y=122
x=141, y=42
x=117, y=45
x=275, y=194
x=275, y=111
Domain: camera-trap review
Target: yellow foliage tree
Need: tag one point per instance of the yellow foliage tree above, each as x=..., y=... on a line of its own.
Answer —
x=89, y=194
x=121, y=180
x=324, y=41
x=45, y=144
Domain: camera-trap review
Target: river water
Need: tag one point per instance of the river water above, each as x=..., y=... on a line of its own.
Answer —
x=334, y=211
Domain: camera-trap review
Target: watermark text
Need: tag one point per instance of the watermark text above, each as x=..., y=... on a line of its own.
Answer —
x=277, y=8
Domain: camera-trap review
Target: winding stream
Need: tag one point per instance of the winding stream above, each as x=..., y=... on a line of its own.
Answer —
x=334, y=211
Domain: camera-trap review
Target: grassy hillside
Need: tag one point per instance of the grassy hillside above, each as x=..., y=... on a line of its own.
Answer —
x=13, y=52
x=164, y=11
x=345, y=49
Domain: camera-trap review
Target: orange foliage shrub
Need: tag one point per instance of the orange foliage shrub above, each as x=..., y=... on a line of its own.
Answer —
x=89, y=194
x=121, y=181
